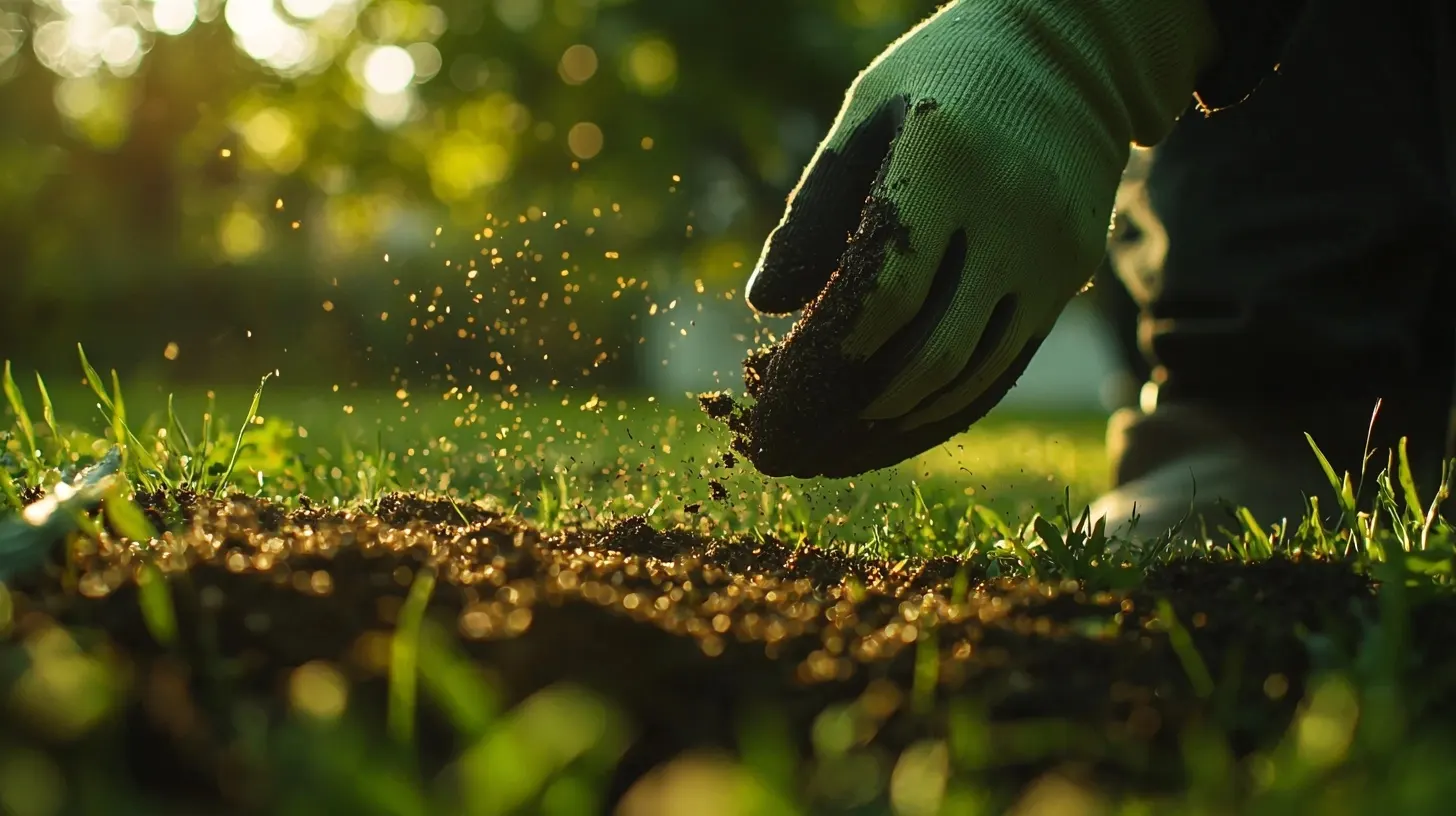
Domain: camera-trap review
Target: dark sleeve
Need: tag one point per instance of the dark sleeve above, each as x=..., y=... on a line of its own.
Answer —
x=1253, y=34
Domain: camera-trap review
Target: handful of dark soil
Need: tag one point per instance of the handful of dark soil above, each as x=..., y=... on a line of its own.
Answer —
x=807, y=397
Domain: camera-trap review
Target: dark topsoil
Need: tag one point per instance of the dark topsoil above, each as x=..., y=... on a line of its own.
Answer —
x=688, y=634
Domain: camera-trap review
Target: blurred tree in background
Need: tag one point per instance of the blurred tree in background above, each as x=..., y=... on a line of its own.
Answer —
x=365, y=189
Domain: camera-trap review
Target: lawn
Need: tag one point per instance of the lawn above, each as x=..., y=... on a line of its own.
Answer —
x=333, y=601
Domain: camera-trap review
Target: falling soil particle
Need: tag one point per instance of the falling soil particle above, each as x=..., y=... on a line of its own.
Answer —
x=716, y=404
x=716, y=491
x=687, y=633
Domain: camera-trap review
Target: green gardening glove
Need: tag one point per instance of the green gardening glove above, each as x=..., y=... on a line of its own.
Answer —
x=962, y=198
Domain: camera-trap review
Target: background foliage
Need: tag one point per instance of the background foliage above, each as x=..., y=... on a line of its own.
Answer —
x=201, y=188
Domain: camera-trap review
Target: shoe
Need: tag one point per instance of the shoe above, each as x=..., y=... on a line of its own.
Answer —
x=1189, y=467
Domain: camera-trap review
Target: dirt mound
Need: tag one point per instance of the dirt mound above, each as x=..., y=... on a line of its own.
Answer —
x=688, y=633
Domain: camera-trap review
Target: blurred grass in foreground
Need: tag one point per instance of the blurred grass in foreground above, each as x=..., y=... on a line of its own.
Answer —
x=1357, y=743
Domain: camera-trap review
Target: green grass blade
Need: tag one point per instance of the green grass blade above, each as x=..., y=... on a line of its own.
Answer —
x=117, y=415
x=1052, y=539
x=1096, y=545
x=158, y=612
x=1407, y=478
x=17, y=404
x=456, y=683
x=1324, y=463
x=1340, y=486
x=1443, y=492
x=7, y=611
x=1317, y=527
x=146, y=464
x=48, y=412
x=546, y=507
x=961, y=587
x=404, y=659
x=118, y=419
x=1261, y=538
x=379, y=459
x=181, y=442
x=927, y=670
x=238, y=445
x=7, y=489
x=992, y=520
x=94, y=380
x=1187, y=653
x=207, y=417
x=455, y=505
x=127, y=518
x=1028, y=561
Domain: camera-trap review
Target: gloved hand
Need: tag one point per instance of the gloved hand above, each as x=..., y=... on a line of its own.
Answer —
x=961, y=199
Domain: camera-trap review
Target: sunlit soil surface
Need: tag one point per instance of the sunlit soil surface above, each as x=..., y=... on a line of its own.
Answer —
x=687, y=635
x=375, y=596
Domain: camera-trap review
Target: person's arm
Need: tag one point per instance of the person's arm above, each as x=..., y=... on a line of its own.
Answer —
x=961, y=199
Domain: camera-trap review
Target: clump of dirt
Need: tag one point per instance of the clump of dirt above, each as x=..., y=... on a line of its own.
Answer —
x=716, y=491
x=684, y=632
x=805, y=397
x=716, y=404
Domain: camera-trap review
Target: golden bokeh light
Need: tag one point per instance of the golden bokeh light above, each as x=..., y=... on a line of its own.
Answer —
x=578, y=64
x=584, y=139
x=651, y=66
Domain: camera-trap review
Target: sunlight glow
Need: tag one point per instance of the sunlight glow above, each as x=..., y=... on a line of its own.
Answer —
x=77, y=98
x=240, y=235
x=267, y=37
x=427, y=60
x=269, y=132
x=389, y=69
x=578, y=64
x=81, y=36
x=652, y=66
x=307, y=9
x=463, y=163
x=584, y=139
x=9, y=44
x=518, y=15
x=388, y=109
x=122, y=47
x=174, y=17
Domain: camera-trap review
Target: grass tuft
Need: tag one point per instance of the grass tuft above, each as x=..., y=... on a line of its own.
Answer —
x=227, y=473
x=22, y=418
x=1361, y=719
